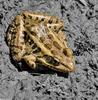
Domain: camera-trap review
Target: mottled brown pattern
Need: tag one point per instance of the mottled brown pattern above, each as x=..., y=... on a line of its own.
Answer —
x=38, y=37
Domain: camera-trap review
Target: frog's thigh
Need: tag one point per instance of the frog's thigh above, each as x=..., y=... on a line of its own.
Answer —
x=30, y=60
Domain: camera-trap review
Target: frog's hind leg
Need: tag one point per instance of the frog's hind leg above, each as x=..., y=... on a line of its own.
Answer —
x=30, y=60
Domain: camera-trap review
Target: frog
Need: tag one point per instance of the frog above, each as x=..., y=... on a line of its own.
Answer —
x=38, y=38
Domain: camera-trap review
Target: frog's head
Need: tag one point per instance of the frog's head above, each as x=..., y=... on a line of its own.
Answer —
x=56, y=64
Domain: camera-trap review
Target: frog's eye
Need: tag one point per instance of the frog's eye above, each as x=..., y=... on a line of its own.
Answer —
x=51, y=60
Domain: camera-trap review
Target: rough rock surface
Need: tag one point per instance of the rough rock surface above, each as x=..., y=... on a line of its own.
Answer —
x=81, y=27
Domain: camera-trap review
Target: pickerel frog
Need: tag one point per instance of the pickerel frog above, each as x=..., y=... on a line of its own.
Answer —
x=37, y=38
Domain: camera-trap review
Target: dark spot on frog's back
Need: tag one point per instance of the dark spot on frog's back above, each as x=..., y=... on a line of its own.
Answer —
x=48, y=45
x=54, y=27
x=50, y=21
x=17, y=24
x=42, y=19
x=34, y=33
x=36, y=18
x=24, y=16
x=65, y=52
x=54, y=52
x=13, y=36
x=50, y=36
x=56, y=45
x=30, y=16
x=42, y=39
x=49, y=26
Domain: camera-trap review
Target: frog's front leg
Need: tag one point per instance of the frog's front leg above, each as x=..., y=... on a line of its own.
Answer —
x=30, y=60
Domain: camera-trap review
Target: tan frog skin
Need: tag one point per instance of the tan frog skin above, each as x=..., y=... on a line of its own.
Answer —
x=38, y=38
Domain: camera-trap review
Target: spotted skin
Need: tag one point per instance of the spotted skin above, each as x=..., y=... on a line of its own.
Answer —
x=38, y=38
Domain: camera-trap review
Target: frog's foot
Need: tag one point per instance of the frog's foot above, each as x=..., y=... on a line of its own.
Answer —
x=30, y=60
